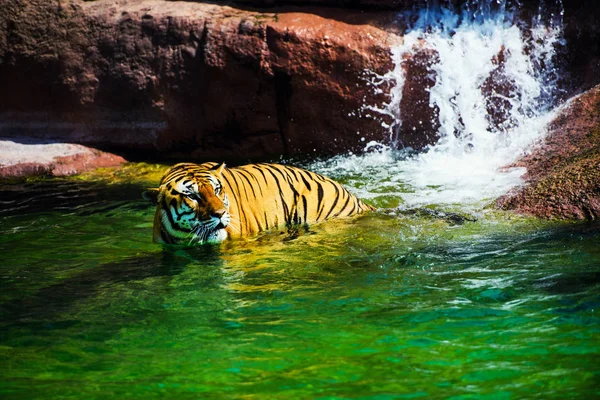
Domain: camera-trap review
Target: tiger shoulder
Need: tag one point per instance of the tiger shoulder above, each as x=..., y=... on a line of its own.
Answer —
x=208, y=203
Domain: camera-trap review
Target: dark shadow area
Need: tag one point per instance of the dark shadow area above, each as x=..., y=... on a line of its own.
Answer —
x=46, y=305
x=56, y=194
x=283, y=92
x=569, y=283
x=79, y=200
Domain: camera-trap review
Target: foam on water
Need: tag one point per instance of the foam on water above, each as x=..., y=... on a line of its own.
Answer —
x=466, y=165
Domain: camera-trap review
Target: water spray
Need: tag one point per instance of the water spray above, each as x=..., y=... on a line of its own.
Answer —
x=494, y=86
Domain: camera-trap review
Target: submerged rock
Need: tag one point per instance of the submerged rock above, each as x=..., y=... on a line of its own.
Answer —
x=451, y=218
x=563, y=173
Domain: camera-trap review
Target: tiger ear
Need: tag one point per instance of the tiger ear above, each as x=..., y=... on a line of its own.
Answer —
x=218, y=168
x=151, y=195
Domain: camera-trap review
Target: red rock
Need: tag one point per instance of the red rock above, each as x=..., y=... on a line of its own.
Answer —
x=191, y=78
x=81, y=162
x=23, y=170
x=30, y=158
x=420, y=122
x=361, y=4
x=563, y=173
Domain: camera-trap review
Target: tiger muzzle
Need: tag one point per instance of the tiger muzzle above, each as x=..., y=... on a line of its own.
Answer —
x=223, y=218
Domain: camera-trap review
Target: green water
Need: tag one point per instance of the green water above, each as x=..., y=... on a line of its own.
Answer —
x=386, y=306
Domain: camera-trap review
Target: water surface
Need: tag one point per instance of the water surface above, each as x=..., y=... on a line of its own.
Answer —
x=395, y=304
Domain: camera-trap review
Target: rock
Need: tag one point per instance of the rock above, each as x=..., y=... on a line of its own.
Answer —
x=563, y=174
x=185, y=79
x=24, y=157
x=190, y=79
x=358, y=4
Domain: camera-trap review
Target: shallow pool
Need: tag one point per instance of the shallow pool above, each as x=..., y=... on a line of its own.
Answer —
x=394, y=304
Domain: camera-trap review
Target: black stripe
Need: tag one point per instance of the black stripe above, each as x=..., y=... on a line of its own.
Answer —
x=305, y=203
x=174, y=225
x=286, y=212
x=301, y=173
x=353, y=208
x=237, y=185
x=319, y=199
x=264, y=178
x=337, y=197
x=179, y=215
x=257, y=183
x=321, y=177
x=242, y=174
x=282, y=171
x=287, y=176
x=345, y=204
x=290, y=182
x=261, y=172
x=285, y=170
x=259, y=168
x=165, y=236
x=236, y=198
x=260, y=228
x=292, y=170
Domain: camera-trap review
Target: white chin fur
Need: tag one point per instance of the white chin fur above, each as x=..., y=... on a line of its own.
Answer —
x=217, y=236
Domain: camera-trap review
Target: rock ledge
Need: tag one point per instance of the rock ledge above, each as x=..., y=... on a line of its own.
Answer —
x=24, y=157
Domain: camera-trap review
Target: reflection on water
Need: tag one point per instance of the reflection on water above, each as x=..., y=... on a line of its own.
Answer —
x=390, y=304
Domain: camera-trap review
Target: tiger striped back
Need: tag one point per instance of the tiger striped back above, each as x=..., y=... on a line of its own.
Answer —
x=208, y=202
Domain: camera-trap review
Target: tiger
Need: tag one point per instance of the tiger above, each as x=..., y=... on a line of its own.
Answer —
x=209, y=203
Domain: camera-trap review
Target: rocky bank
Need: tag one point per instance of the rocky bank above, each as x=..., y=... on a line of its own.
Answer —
x=563, y=172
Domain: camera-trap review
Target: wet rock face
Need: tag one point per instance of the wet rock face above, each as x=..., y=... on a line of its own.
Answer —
x=202, y=80
x=187, y=79
x=563, y=173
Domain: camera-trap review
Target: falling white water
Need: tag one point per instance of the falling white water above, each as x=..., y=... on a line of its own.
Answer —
x=466, y=165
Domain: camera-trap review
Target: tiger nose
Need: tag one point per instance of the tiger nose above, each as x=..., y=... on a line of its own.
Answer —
x=217, y=214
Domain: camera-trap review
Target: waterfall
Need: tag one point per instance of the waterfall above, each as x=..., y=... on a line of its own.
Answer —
x=494, y=85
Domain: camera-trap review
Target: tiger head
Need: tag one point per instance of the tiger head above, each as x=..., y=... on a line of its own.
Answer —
x=192, y=207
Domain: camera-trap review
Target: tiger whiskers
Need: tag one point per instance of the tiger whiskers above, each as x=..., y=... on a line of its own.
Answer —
x=203, y=230
x=235, y=224
x=199, y=233
x=194, y=233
